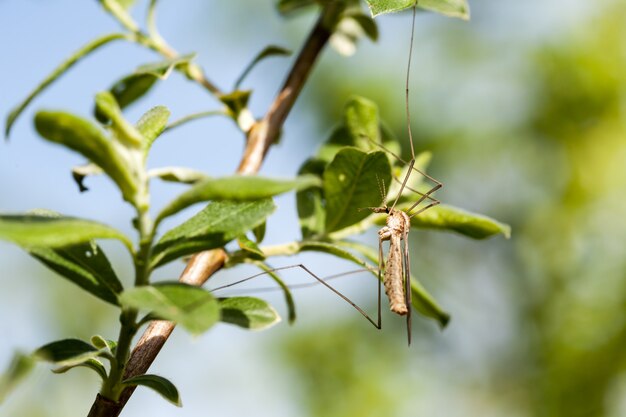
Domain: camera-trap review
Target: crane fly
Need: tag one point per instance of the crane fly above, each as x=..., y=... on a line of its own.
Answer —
x=395, y=271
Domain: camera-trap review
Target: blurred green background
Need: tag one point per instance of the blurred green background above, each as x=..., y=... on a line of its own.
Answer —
x=524, y=109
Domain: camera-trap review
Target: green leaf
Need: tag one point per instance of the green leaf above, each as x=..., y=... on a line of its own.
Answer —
x=291, y=305
x=128, y=90
x=361, y=120
x=248, y=312
x=259, y=232
x=178, y=174
x=238, y=188
x=268, y=51
x=103, y=344
x=126, y=4
x=93, y=364
x=452, y=8
x=469, y=224
x=157, y=383
x=85, y=265
x=351, y=185
x=217, y=224
x=152, y=124
x=250, y=246
x=192, y=307
x=58, y=71
x=425, y=304
x=332, y=249
x=67, y=352
x=19, y=368
x=367, y=24
x=162, y=69
x=85, y=138
x=118, y=9
x=310, y=201
x=36, y=231
x=123, y=129
x=286, y=7
x=237, y=105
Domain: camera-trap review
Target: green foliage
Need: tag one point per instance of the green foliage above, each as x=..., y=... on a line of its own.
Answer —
x=248, y=312
x=19, y=368
x=217, y=224
x=44, y=231
x=195, y=309
x=268, y=51
x=472, y=225
x=452, y=8
x=156, y=383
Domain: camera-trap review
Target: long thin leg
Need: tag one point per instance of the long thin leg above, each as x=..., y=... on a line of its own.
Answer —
x=324, y=283
x=407, y=287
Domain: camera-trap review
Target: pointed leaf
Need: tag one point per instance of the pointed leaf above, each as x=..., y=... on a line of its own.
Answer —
x=291, y=306
x=83, y=137
x=178, y=174
x=425, y=304
x=367, y=24
x=351, y=185
x=268, y=51
x=157, y=383
x=60, y=70
x=452, y=8
x=33, y=230
x=469, y=224
x=310, y=201
x=286, y=7
x=85, y=265
x=93, y=364
x=152, y=124
x=67, y=352
x=361, y=120
x=250, y=247
x=123, y=129
x=192, y=307
x=20, y=367
x=238, y=188
x=237, y=105
x=163, y=69
x=219, y=223
x=195, y=116
x=248, y=312
x=128, y=90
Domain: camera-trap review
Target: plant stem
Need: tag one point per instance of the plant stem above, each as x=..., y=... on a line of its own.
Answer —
x=204, y=264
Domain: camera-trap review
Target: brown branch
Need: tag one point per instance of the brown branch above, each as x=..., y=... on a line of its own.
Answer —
x=204, y=264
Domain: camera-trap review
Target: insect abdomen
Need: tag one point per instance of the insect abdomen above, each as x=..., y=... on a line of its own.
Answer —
x=394, y=287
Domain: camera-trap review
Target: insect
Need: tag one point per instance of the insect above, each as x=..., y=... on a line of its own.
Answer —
x=395, y=271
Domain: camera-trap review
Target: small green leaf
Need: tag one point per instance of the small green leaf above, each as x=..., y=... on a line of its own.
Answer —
x=361, y=120
x=248, y=312
x=367, y=24
x=19, y=368
x=192, y=307
x=126, y=4
x=259, y=232
x=35, y=231
x=238, y=188
x=452, y=8
x=118, y=9
x=102, y=343
x=237, y=105
x=250, y=246
x=310, y=201
x=163, y=69
x=58, y=71
x=128, y=90
x=157, y=383
x=286, y=7
x=469, y=224
x=352, y=183
x=93, y=364
x=291, y=306
x=219, y=223
x=178, y=174
x=152, y=124
x=123, y=129
x=83, y=137
x=67, y=352
x=425, y=304
x=85, y=265
x=268, y=51
x=332, y=249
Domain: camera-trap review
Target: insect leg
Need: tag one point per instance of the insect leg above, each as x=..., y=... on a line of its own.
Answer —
x=321, y=281
x=407, y=288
